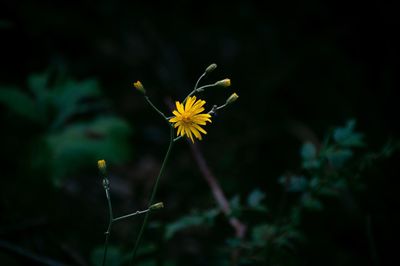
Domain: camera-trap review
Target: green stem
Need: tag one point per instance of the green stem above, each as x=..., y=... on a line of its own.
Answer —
x=153, y=194
x=111, y=218
x=155, y=108
x=130, y=215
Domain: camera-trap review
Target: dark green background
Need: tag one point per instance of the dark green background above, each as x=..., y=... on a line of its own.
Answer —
x=299, y=69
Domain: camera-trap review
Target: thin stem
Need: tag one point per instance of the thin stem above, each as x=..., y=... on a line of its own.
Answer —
x=111, y=218
x=177, y=138
x=153, y=194
x=155, y=108
x=130, y=215
x=195, y=87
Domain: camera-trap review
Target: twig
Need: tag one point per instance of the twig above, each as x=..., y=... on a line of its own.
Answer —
x=219, y=196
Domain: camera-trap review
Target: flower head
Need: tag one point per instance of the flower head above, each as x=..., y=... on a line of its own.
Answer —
x=188, y=118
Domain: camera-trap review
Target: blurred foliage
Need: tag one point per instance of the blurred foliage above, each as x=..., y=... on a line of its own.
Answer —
x=74, y=133
x=299, y=69
x=330, y=170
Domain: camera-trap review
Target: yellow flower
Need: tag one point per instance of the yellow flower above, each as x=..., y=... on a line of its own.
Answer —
x=188, y=118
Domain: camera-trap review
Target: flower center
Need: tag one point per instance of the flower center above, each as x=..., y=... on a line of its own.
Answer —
x=186, y=117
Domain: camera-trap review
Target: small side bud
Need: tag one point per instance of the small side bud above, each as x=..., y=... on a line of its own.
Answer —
x=139, y=86
x=223, y=83
x=211, y=68
x=232, y=98
x=101, y=164
x=156, y=206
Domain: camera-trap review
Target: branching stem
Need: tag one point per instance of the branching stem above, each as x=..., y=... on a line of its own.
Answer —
x=153, y=193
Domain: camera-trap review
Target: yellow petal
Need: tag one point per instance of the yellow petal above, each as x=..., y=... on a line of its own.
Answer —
x=179, y=107
x=199, y=128
x=196, y=132
x=189, y=103
x=174, y=119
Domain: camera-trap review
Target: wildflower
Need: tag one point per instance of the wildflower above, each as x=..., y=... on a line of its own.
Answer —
x=188, y=118
x=223, y=83
x=139, y=86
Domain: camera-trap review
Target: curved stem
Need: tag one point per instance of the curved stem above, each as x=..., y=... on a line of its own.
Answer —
x=153, y=194
x=155, y=108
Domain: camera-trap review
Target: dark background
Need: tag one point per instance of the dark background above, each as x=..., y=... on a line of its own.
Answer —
x=300, y=69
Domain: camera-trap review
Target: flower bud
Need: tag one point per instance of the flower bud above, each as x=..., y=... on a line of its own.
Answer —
x=232, y=98
x=101, y=164
x=156, y=206
x=211, y=68
x=139, y=86
x=223, y=83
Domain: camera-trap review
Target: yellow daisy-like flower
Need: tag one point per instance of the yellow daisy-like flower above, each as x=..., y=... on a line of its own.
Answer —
x=188, y=118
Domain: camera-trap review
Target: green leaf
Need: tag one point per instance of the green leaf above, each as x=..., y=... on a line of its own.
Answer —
x=346, y=137
x=195, y=219
x=308, y=153
x=338, y=157
x=19, y=103
x=262, y=233
x=293, y=183
x=82, y=144
x=255, y=198
x=311, y=203
x=71, y=92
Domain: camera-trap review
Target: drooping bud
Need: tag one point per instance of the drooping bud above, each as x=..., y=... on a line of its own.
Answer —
x=223, y=83
x=139, y=86
x=211, y=68
x=156, y=206
x=232, y=98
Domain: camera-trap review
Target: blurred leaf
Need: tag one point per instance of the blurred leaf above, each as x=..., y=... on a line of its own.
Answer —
x=195, y=219
x=346, y=137
x=255, y=198
x=310, y=202
x=287, y=236
x=114, y=256
x=70, y=93
x=263, y=233
x=37, y=83
x=19, y=102
x=308, y=153
x=84, y=143
x=293, y=183
x=338, y=157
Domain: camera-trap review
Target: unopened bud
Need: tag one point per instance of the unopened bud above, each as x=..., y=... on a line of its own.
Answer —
x=223, y=83
x=139, y=86
x=101, y=164
x=156, y=206
x=232, y=98
x=211, y=68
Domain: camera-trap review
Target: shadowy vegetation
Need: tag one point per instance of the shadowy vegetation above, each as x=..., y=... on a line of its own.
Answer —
x=302, y=171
